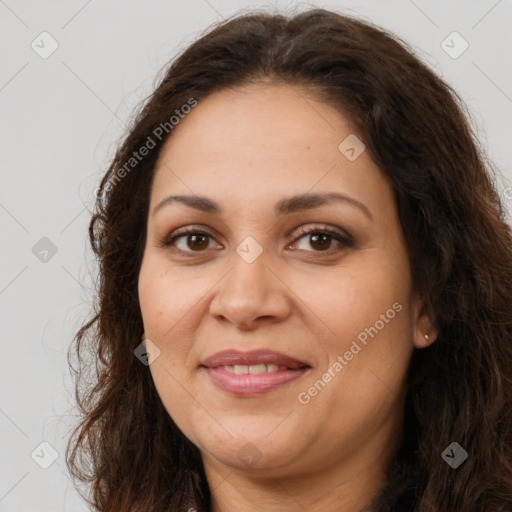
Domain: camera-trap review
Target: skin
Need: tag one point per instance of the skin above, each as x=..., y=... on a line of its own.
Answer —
x=247, y=148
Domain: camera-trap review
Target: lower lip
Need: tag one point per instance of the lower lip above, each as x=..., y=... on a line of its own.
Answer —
x=252, y=385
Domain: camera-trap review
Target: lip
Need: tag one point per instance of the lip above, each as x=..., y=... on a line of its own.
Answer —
x=249, y=385
x=232, y=357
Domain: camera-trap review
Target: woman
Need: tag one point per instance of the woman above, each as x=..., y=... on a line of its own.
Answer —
x=301, y=228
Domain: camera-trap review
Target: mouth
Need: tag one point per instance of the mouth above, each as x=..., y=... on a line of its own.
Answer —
x=252, y=374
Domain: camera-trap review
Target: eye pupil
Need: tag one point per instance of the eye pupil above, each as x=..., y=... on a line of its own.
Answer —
x=195, y=238
x=323, y=238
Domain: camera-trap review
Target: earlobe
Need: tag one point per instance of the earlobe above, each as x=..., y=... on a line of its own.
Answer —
x=428, y=339
x=424, y=331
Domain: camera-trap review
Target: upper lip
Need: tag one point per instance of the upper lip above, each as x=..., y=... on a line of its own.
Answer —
x=236, y=357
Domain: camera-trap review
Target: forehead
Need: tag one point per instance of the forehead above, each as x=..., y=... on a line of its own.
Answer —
x=259, y=139
x=261, y=117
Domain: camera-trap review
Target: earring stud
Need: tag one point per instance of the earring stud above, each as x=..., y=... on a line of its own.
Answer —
x=426, y=336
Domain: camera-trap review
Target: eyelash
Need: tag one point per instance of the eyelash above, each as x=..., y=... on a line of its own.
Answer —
x=339, y=236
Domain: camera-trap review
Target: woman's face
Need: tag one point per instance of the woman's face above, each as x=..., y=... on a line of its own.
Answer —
x=331, y=314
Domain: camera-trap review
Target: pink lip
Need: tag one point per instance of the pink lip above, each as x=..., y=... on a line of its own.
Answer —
x=249, y=385
x=232, y=357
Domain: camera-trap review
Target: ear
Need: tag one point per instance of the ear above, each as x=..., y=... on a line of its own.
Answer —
x=424, y=331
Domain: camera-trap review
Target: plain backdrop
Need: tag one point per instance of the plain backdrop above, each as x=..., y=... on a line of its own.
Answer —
x=61, y=117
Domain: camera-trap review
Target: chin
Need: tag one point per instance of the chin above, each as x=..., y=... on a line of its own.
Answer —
x=253, y=450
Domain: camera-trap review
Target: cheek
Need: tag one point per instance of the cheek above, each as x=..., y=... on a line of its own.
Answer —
x=352, y=297
x=164, y=307
x=164, y=300
x=364, y=311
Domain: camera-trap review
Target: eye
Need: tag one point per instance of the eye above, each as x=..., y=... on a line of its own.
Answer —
x=321, y=238
x=194, y=240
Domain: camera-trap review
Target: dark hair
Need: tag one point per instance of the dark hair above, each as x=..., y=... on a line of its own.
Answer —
x=416, y=129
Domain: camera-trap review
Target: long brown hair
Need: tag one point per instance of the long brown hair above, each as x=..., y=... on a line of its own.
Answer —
x=128, y=450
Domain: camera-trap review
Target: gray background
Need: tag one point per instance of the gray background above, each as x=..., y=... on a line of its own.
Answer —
x=60, y=120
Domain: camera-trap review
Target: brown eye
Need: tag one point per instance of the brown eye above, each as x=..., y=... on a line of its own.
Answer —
x=197, y=241
x=187, y=241
x=321, y=239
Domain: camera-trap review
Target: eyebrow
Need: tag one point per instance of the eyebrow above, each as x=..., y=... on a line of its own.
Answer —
x=283, y=207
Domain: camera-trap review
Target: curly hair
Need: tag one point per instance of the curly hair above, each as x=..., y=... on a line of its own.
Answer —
x=416, y=129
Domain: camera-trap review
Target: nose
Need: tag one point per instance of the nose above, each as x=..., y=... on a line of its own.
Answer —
x=251, y=294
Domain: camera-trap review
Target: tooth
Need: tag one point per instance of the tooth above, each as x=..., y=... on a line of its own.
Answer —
x=241, y=369
x=256, y=369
